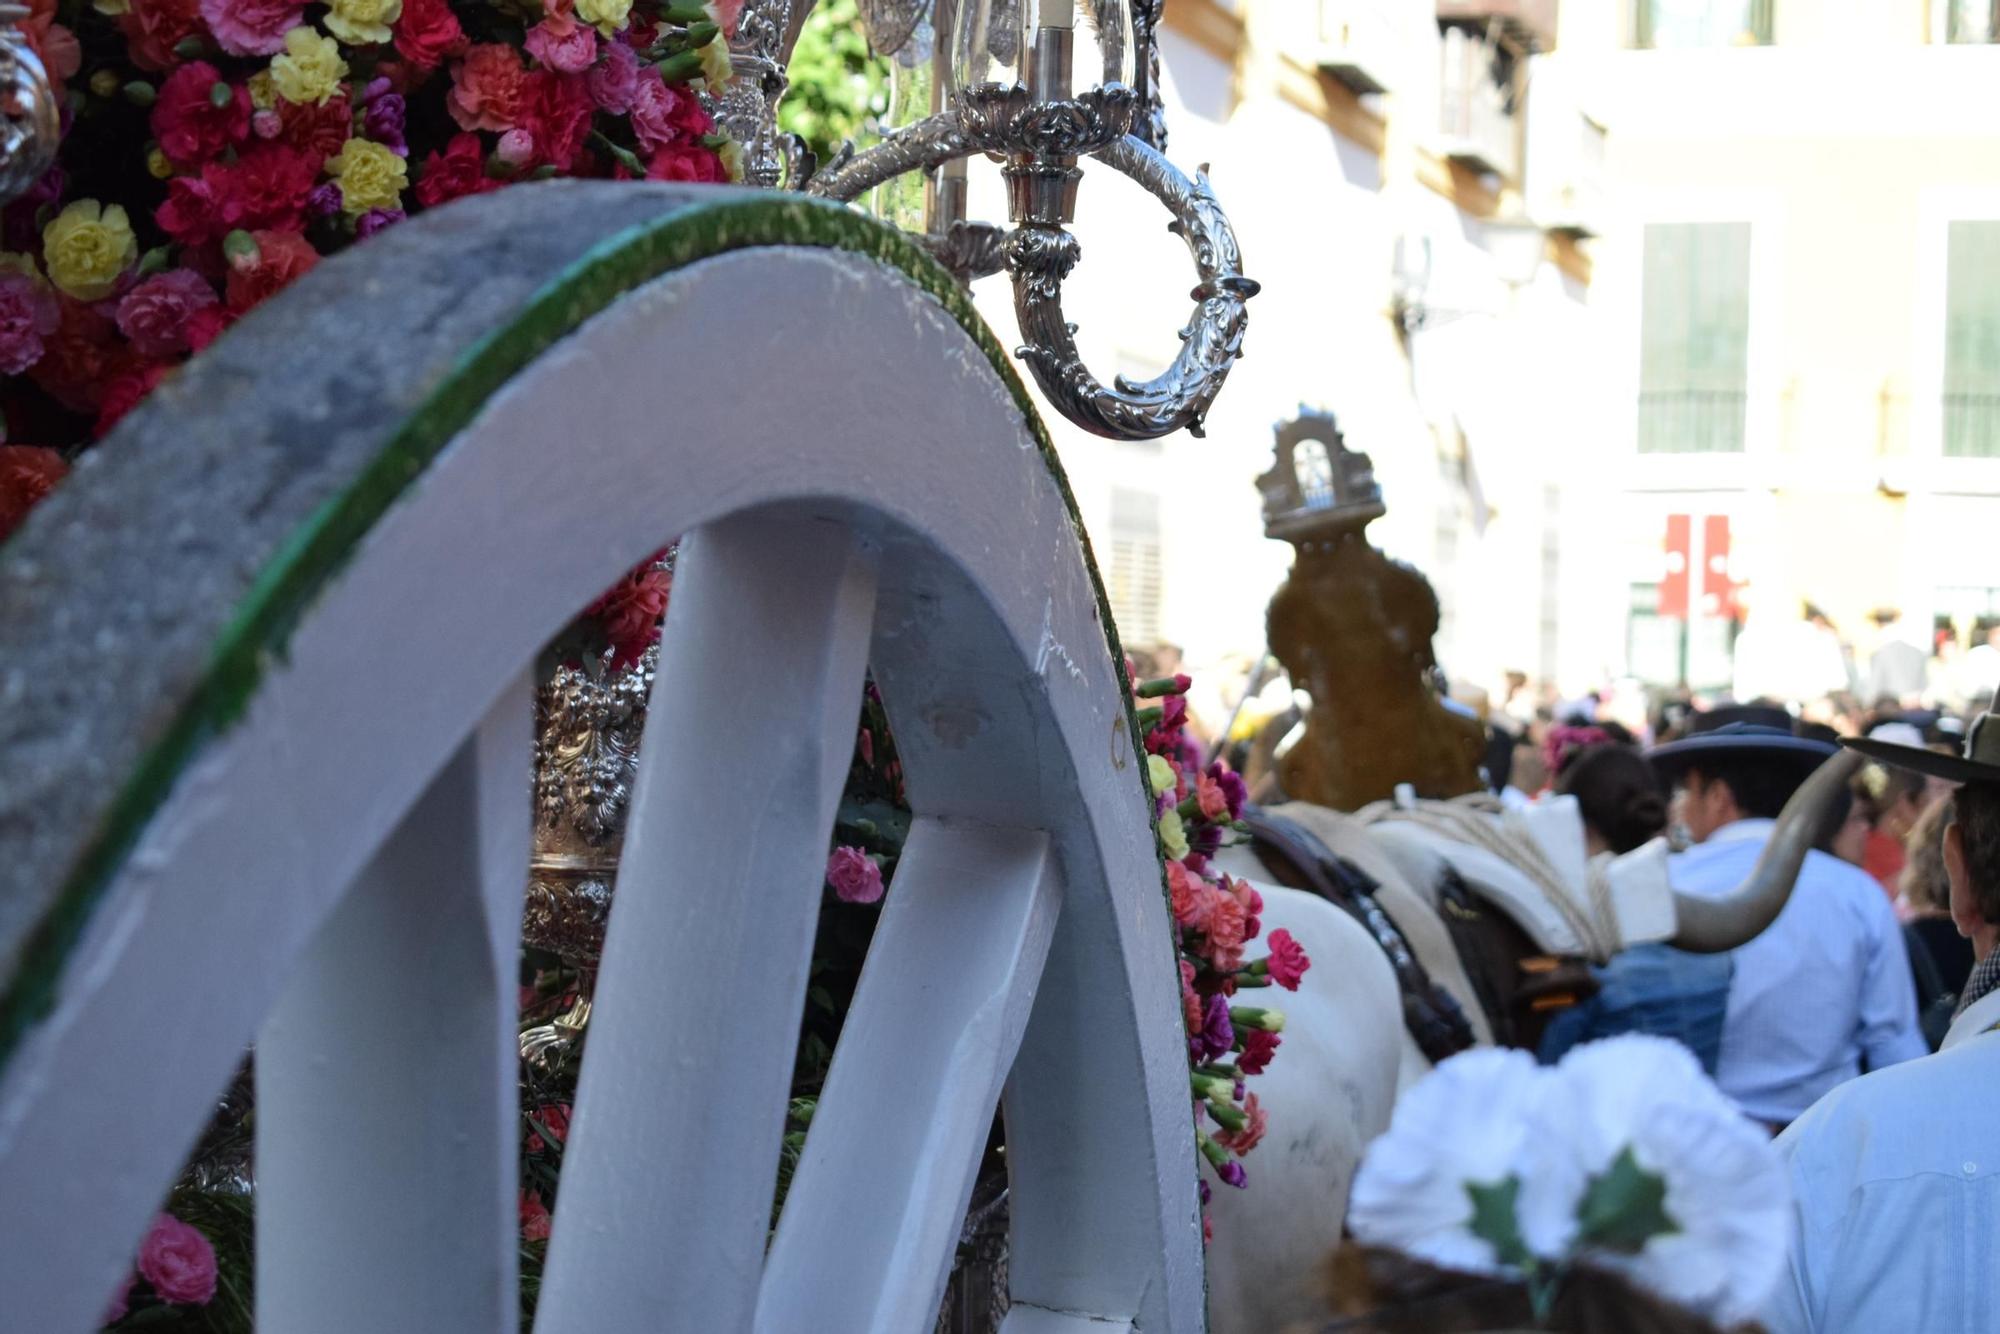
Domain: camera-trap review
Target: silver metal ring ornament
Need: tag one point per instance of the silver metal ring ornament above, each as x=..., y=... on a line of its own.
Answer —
x=1039, y=258
x=1042, y=143
x=30, y=121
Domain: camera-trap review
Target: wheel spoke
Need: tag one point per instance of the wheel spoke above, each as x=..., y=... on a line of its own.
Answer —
x=665, y=1198
x=876, y=1206
x=387, y=1086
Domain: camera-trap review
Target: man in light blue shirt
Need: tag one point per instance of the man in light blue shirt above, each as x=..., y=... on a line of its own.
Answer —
x=1896, y=1176
x=1825, y=991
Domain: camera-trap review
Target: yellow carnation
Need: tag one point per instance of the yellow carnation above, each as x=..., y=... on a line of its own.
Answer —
x=263, y=96
x=608, y=15
x=1160, y=774
x=12, y=261
x=716, y=71
x=370, y=176
x=309, y=70
x=157, y=164
x=1173, y=836
x=87, y=246
x=363, y=22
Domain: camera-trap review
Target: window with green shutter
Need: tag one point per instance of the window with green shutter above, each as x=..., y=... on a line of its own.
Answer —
x=1972, y=21
x=1666, y=24
x=1972, y=340
x=1694, y=346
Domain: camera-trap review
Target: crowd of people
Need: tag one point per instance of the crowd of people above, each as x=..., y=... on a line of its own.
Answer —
x=1824, y=1026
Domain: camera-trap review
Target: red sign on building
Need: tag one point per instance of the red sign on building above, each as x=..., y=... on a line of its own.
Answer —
x=1674, y=582
x=1718, y=590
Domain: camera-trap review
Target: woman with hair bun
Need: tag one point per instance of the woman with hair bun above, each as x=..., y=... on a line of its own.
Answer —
x=1619, y=796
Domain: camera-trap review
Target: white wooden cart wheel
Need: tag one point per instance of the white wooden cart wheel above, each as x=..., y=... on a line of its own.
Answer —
x=264, y=763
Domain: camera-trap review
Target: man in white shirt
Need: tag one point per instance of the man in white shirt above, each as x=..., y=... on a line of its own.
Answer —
x=1825, y=991
x=1896, y=1176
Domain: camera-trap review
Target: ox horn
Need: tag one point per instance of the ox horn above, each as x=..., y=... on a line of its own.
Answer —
x=1712, y=925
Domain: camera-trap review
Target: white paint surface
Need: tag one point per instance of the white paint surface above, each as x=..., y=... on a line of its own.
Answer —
x=892, y=447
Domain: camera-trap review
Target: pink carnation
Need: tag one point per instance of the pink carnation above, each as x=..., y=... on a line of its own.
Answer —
x=1226, y=923
x=726, y=13
x=854, y=875
x=154, y=315
x=657, y=114
x=178, y=1261
x=488, y=88
x=1288, y=961
x=29, y=313
x=1210, y=797
x=1252, y=1134
x=613, y=80
x=563, y=44
x=252, y=27
x=1188, y=896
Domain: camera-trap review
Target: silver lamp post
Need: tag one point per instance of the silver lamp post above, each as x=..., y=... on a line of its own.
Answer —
x=1003, y=80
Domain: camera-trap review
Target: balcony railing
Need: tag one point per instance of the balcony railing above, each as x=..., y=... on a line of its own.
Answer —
x=1565, y=186
x=1365, y=44
x=1481, y=90
x=1972, y=426
x=1533, y=22
x=1692, y=421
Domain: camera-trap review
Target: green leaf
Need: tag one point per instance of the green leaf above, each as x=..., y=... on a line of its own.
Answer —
x=1495, y=1221
x=1624, y=1207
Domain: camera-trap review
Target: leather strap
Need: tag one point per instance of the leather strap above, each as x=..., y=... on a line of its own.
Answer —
x=1434, y=1018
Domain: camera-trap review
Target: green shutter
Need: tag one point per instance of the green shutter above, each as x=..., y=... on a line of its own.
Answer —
x=1972, y=340
x=1694, y=343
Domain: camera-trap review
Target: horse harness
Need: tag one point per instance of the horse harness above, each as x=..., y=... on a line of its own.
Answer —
x=1520, y=987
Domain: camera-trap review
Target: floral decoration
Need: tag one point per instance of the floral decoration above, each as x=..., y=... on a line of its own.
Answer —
x=1624, y=1159
x=1216, y=916
x=216, y=150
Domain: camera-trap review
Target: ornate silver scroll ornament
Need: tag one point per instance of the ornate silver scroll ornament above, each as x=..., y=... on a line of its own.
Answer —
x=1001, y=80
x=587, y=727
x=30, y=121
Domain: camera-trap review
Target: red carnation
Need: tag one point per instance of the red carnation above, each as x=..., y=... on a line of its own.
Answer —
x=1288, y=962
x=1258, y=1049
x=630, y=612
x=265, y=188
x=190, y=126
x=192, y=215
x=27, y=473
x=84, y=352
x=128, y=391
x=459, y=170
x=557, y=111
x=204, y=326
x=317, y=131
x=153, y=28
x=687, y=162
x=428, y=32
x=281, y=257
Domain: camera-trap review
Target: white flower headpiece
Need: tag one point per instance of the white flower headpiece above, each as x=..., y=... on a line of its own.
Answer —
x=1625, y=1156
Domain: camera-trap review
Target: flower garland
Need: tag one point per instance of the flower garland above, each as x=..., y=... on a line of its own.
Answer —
x=215, y=150
x=1215, y=918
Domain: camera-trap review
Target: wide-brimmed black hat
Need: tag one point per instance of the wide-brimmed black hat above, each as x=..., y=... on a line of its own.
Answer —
x=1979, y=763
x=1742, y=731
